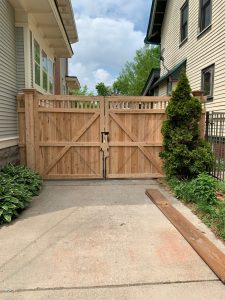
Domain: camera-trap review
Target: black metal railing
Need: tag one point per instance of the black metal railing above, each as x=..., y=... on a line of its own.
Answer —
x=215, y=135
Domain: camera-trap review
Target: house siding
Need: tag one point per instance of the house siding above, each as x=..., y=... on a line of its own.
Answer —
x=8, y=71
x=201, y=51
x=20, y=68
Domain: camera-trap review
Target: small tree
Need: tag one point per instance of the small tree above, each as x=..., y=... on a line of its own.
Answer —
x=103, y=90
x=82, y=91
x=185, y=154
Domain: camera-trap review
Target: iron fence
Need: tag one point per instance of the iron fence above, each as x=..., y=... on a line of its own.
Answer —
x=215, y=135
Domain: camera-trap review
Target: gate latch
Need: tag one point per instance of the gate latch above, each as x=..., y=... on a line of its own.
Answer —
x=105, y=143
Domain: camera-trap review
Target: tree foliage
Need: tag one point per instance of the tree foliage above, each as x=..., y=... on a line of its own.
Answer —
x=103, y=90
x=133, y=76
x=83, y=91
x=185, y=154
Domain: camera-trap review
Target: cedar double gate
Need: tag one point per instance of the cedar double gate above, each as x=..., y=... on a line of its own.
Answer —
x=91, y=137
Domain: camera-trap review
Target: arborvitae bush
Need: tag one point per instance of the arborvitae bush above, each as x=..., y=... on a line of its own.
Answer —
x=185, y=154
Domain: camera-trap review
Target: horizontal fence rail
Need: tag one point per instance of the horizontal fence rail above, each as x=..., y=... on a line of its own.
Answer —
x=68, y=137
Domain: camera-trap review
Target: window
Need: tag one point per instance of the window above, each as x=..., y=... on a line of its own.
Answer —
x=156, y=91
x=37, y=61
x=50, y=76
x=207, y=81
x=184, y=22
x=44, y=71
x=169, y=86
x=205, y=14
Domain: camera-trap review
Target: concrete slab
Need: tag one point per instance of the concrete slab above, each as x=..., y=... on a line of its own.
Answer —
x=184, y=291
x=75, y=237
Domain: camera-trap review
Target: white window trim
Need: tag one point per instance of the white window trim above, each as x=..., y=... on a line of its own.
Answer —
x=9, y=142
x=39, y=88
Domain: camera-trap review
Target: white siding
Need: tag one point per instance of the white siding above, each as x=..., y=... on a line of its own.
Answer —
x=20, y=69
x=8, y=88
x=202, y=51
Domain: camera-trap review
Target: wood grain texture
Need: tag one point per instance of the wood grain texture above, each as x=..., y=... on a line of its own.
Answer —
x=78, y=137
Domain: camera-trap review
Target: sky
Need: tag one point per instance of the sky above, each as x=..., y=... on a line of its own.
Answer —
x=110, y=32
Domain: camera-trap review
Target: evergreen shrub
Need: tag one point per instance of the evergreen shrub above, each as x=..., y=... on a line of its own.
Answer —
x=185, y=154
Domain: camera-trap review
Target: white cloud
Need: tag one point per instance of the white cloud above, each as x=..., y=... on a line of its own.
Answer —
x=132, y=10
x=104, y=47
x=101, y=75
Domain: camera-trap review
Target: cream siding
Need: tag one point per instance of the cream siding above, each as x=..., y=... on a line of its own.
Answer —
x=8, y=85
x=20, y=71
x=202, y=51
x=163, y=88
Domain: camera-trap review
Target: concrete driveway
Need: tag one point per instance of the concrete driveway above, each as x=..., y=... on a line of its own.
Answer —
x=100, y=240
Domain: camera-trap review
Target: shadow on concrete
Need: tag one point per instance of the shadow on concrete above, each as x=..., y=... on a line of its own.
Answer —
x=62, y=195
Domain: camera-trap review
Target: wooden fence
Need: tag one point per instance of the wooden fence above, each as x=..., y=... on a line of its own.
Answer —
x=91, y=137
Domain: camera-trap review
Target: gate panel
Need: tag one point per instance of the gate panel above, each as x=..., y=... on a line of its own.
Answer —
x=91, y=137
x=135, y=140
x=68, y=134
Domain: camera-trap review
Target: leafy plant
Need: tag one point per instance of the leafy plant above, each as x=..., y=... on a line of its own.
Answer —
x=23, y=175
x=184, y=154
x=202, y=193
x=134, y=74
x=18, y=185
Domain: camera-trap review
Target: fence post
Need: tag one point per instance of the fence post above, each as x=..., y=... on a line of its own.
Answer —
x=29, y=98
x=202, y=99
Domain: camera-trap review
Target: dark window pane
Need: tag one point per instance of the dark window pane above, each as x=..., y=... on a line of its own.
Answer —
x=205, y=17
x=37, y=74
x=184, y=22
x=185, y=14
x=36, y=52
x=169, y=87
x=45, y=80
x=204, y=2
x=207, y=81
x=44, y=61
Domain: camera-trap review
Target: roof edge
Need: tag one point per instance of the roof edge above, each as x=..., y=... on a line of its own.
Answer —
x=151, y=37
x=170, y=72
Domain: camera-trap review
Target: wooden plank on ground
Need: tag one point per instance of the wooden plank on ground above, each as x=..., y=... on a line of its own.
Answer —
x=212, y=256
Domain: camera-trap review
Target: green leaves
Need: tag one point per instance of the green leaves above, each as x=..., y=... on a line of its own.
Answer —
x=202, y=193
x=103, y=90
x=133, y=76
x=18, y=185
x=184, y=154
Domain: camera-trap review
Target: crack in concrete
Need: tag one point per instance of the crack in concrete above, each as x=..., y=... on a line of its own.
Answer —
x=126, y=285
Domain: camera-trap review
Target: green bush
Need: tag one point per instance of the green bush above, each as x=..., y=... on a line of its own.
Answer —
x=202, y=192
x=184, y=154
x=18, y=185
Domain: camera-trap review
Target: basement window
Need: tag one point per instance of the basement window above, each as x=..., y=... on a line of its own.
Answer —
x=184, y=22
x=208, y=81
x=205, y=14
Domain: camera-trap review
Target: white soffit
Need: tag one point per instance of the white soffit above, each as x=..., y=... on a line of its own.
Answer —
x=48, y=22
